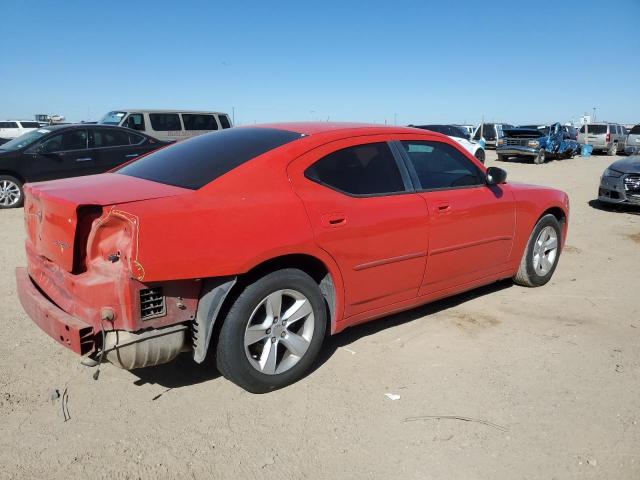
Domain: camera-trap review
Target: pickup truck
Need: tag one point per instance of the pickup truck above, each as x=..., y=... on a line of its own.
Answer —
x=538, y=142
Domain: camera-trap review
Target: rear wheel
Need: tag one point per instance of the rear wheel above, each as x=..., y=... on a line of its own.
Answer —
x=273, y=332
x=480, y=155
x=613, y=149
x=541, y=157
x=11, y=195
x=541, y=256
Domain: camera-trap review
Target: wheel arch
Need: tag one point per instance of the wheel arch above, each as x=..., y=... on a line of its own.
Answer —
x=10, y=173
x=219, y=294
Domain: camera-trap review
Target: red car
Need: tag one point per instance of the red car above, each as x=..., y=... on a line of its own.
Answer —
x=253, y=242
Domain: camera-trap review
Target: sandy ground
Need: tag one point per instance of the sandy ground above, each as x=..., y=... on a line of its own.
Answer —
x=554, y=372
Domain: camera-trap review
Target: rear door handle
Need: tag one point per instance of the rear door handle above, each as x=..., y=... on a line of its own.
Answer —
x=132, y=155
x=333, y=220
x=85, y=159
x=443, y=207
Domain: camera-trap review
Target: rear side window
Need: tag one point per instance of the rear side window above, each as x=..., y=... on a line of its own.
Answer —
x=635, y=130
x=30, y=124
x=198, y=161
x=369, y=169
x=110, y=138
x=165, y=121
x=8, y=125
x=194, y=121
x=438, y=165
x=224, y=121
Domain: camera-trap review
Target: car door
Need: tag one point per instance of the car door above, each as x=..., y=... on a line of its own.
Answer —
x=115, y=146
x=365, y=215
x=471, y=225
x=62, y=155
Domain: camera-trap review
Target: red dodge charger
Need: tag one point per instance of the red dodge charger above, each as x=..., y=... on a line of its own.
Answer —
x=253, y=242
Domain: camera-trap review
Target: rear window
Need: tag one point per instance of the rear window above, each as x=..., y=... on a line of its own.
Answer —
x=30, y=124
x=8, y=125
x=635, y=130
x=595, y=129
x=193, y=121
x=165, y=122
x=198, y=161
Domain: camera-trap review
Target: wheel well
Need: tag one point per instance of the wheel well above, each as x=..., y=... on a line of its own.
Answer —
x=558, y=213
x=12, y=174
x=312, y=266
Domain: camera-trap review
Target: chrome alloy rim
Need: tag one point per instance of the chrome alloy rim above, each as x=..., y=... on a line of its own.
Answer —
x=9, y=193
x=545, y=251
x=279, y=332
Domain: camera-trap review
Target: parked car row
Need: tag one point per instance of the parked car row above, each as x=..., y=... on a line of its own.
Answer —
x=460, y=135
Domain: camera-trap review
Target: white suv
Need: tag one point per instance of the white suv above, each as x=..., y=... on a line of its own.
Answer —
x=14, y=128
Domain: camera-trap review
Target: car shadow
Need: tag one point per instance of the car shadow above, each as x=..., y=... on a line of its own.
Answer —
x=184, y=371
x=614, y=208
x=352, y=334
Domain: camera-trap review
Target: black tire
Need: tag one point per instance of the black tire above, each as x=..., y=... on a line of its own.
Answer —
x=613, y=149
x=231, y=358
x=502, y=158
x=541, y=157
x=8, y=180
x=480, y=155
x=527, y=276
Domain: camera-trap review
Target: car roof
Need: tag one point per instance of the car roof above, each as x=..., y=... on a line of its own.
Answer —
x=70, y=126
x=346, y=128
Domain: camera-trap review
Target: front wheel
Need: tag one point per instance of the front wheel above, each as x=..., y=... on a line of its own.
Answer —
x=541, y=157
x=273, y=332
x=11, y=195
x=503, y=158
x=541, y=255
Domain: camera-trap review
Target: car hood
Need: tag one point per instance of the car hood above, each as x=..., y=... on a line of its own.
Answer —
x=627, y=165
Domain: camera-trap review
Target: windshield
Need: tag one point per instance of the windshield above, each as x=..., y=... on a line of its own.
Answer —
x=112, y=118
x=25, y=140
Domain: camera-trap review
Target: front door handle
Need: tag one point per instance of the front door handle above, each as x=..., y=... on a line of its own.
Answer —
x=132, y=155
x=333, y=220
x=85, y=159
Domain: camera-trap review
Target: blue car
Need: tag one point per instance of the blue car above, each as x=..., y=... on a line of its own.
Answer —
x=538, y=142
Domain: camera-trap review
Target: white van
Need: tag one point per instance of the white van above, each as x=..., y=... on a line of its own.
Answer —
x=11, y=129
x=168, y=125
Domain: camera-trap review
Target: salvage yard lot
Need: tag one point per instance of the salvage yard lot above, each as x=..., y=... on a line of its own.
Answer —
x=552, y=374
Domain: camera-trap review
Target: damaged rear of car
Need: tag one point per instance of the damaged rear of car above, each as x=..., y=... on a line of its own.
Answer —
x=537, y=142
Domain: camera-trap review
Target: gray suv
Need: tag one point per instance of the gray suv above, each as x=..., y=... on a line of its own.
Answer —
x=633, y=141
x=605, y=137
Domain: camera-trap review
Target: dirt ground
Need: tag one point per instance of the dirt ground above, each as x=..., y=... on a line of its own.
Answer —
x=548, y=378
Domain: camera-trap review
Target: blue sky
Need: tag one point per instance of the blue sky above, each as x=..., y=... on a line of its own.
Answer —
x=372, y=61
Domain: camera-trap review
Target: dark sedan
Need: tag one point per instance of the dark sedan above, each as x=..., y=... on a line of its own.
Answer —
x=64, y=151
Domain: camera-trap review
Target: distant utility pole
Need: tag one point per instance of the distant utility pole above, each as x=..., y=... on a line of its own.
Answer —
x=233, y=115
x=594, y=115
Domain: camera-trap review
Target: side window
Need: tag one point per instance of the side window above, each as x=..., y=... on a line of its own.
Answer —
x=369, y=169
x=224, y=121
x=164, y=122
x=135, y=121
x=109, y=138
x=8, y=125
x=135, y=139
x=30, y=124
x=73, y=140
x=438, y=165
x=193, y=121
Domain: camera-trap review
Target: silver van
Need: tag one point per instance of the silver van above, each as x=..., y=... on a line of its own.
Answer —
x=491, y=132
x=168, y=125
x=605, y=137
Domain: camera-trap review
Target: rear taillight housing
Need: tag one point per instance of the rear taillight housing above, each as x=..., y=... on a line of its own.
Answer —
x=608, y=137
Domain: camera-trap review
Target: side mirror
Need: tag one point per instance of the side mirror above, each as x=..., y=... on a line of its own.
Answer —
x=496, y=176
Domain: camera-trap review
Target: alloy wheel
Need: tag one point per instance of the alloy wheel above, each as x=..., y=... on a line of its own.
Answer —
x=545, y=251
x=9, y=193
x=279, y=331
